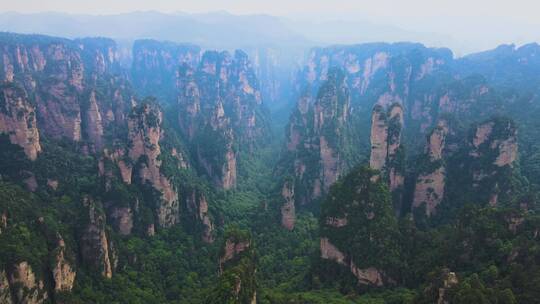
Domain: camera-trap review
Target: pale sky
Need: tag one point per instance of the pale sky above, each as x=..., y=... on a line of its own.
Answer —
x=466, y=25
x=521, y=10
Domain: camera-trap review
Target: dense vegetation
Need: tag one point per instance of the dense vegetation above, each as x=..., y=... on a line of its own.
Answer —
x=471, y=252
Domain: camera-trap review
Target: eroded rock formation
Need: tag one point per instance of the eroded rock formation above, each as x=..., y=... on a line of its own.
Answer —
x=288, y=214
x=96, y=251
x=430, y=185
x=349, y=211
x=145, y=132
x=63, y=271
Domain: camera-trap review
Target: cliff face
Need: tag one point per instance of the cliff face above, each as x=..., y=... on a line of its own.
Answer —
x=145, y=132
x=155, y=66
x=493, y=153
x=357, y=230
x=63, y=271
x=220, y=112
x=59, y=79
x=387, y=154
x=96, y=251
x=429, y=188
x=197, y=205
x=237, y=267
x=18, y=119
x=457, y=166
x=26, y=287
x=315, y=139
x=5, y=292
x=288, y=213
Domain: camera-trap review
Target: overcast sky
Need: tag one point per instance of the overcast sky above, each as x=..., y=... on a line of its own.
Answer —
x=523, y=10
x=485, y=23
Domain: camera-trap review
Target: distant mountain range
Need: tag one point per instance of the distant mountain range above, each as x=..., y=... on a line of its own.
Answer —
x=213, y=30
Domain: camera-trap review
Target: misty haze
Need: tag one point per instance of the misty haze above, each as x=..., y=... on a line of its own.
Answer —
x=283, y=152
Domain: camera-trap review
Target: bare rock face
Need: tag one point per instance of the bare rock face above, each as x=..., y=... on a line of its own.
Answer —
x=197, y=205
x=220, y=106
x=386, y=151
x=237, y=268
x=123, y=219
x=386, y=125
x=495, y=143
x=5, y=291
x=95, y=246
x=3, y=221
x=18, y=120
x=94, y=122
x=63, y=272
x=26, y=287
x=145, y=132
x=315, y=140
x=379, y=139
x=354, y=208
x=370, y=276
x=429, y=188
x=233, y=247
x=288, y=215
x=62, y=78
x=155, y=65
x=449, y=280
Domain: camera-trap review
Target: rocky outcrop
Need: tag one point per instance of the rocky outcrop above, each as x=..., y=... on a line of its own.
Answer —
x=155, y=66
x=5, y=291
x=123, y=219
x=63, y=272
x=386, y=126
x=370, y=276
x=25, y=286
x=71, y=85
x=480, y=164
x=94, y=123
x=430, y=185
x=449, y=280
x=145, y=132
x=96, y=251
x=386, y=151
x=237, y=268
x=233, y=248
x=315, y=139
x=219, y=101
x=493, y=142
x=288, y=214
x=356, y=207
x=197, y=205
x=18, y=119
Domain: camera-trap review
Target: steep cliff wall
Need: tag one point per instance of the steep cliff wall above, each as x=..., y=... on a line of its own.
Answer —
x=18, y=119
x=155, y=66
x=96, y=250
x=237, y=268
x=430, y=185
x=68, y=84
x=315, y=139
x=220, y=112
x=358, y=231
x=145, y=132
